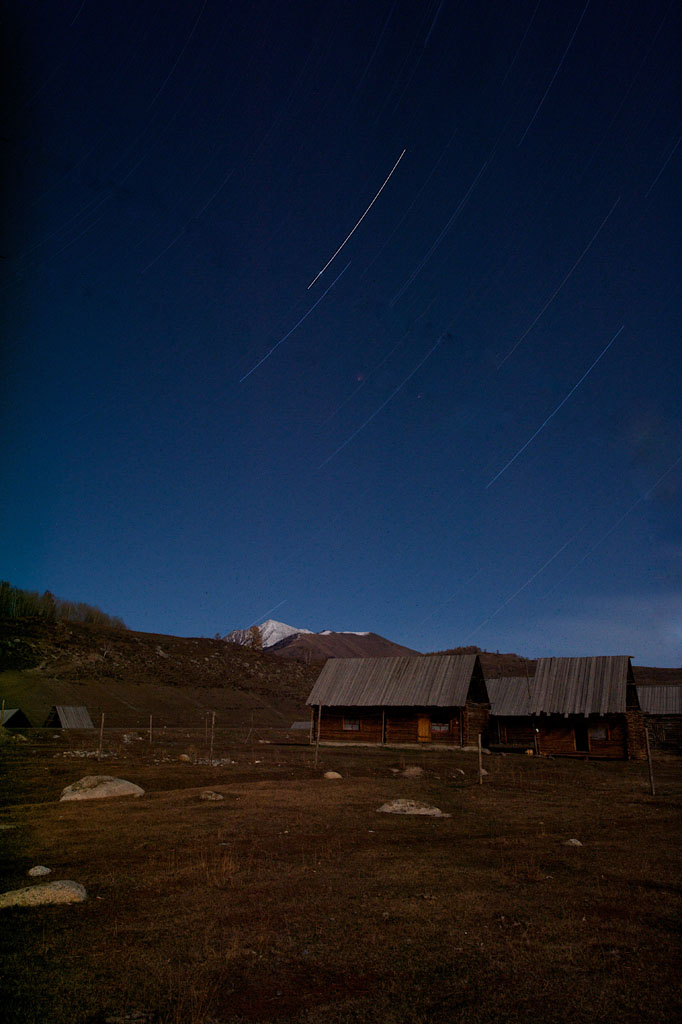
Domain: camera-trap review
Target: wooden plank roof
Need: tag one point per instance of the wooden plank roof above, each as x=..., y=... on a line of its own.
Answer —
x=581, y=686
x=510, y=696
x=660, y=700
x=69, y=717
x=437, y=681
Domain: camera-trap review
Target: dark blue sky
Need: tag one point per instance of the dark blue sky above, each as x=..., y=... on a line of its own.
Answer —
x=178, y=173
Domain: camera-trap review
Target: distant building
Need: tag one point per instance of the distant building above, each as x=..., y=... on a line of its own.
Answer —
x=580, y=707
x=662, y=709
x=14, y=718
x=68, y=717
x=435, y=701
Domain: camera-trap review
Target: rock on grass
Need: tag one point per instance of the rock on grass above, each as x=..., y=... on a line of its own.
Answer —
x=46, y=893
x=99, y=787
x=411, y=807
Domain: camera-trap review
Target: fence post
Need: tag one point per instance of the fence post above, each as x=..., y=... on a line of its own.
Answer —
x=150, y=730
x=319, y=723
x=480, y=761
x=101, y=736
x=652, y=785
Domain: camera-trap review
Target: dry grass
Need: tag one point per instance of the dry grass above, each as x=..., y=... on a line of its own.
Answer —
x=293, y=900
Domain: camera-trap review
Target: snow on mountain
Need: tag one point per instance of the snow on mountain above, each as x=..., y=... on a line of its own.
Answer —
x=271, y=632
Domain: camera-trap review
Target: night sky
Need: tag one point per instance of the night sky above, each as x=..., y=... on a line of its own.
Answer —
x=466, y=430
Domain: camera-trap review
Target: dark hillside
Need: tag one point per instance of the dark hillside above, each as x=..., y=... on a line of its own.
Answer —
x=43, y=662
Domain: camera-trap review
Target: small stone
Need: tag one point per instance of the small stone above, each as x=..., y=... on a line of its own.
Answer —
x=572, y=842
x=39, y=870
x=47, y=893
x=413, y=771
x=184, y=757
x=332, y=775
x=484, y=771
x=210, y=794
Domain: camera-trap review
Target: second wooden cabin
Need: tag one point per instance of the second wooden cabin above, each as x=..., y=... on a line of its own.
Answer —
x=436, y=700
x=571, y=707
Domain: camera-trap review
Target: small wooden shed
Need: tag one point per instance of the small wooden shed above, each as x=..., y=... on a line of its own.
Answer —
x=662, y=710
x=572, y=707
x=436, y=700
x=14, y=718
x=63, y=716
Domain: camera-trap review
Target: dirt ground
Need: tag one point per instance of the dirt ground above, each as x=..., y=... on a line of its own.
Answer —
x=292, y=899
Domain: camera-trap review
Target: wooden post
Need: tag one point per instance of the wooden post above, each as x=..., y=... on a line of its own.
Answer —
x=312, y=724
x=480, y=761
x=651, y=767
x=319, y=723
x=212, y=732
x=150, y=730
x=101, y=736
x=206, y=713
x=383, y=725
x=2, y=712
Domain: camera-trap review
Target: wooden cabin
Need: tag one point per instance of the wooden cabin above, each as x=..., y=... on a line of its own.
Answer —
x=14, y=718
x=579, y=707
x=435, y=701
x=662, y=710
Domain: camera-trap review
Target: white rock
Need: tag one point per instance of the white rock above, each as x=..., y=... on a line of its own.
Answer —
x=184, y=757
x=210, y=794
x=411, y=807
x=48, y=892
x=413, y=771
x=572, y=842
x=99, y=787
x=39, y=870
x=332, y=775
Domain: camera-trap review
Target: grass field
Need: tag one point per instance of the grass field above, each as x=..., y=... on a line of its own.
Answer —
x=293, y=900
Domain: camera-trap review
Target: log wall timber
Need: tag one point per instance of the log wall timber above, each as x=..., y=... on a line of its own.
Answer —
x=448, y=726
x=635, y=743
x=606, y=736
x=665, y=731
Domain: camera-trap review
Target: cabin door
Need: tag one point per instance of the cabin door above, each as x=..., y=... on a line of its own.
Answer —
x=424, y=728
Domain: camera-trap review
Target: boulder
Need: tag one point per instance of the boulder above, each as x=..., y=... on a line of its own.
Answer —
x=411, y=807
x=332, y=775
x=39, y=870
x=99, y=787
x=572, y=842
x=413, y=771
x=184, y=757
x=210, y=794
x=46, y=893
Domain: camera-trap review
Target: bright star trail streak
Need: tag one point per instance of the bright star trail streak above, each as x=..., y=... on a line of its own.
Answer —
x=321, y=272
x=558, y=69
x=268, y=612
x=559, y=406
x=383, y=404
x=671, y=155
x=289, y=333
x=554, y=294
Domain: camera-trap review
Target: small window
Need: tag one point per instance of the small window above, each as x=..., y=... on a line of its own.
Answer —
x=351, y=725
x=440, y=727
x=599, y=732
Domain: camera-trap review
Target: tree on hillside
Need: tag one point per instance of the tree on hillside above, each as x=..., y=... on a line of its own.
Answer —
x=255, y=638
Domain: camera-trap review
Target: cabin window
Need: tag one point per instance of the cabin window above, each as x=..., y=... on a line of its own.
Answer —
x=599, y=731
x=440, y=727
x=351, y=725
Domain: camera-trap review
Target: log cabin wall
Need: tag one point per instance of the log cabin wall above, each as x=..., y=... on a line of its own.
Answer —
x=364, y=725
x=516, y=732
x=604, y=736
x=635, y=742
x=476, y=717
x=350, y=725
x=665, y=731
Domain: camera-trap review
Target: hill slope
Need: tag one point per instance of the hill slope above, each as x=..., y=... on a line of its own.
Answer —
x=315, y=648
x=130, y=675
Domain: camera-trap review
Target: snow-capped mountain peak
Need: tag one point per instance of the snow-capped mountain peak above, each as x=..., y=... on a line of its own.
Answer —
x=270, y=633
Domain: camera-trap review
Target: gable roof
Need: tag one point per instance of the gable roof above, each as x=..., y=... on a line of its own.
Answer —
x=660, y=700
x=68, y=717
x=441, y=681
x=14, y=718
x=510, y=696
x=581, y=686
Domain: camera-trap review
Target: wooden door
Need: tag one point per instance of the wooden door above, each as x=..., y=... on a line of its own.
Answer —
x=424, y=728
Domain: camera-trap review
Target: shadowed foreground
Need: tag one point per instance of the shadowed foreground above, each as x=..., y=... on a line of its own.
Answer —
x=293, y=900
